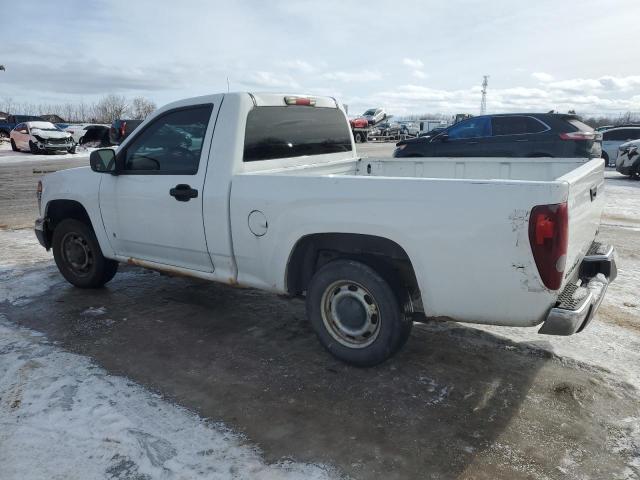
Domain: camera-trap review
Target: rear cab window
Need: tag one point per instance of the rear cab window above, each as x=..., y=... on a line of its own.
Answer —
x=294, y=131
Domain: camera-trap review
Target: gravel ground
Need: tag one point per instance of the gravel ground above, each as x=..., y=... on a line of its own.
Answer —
x=459, y=402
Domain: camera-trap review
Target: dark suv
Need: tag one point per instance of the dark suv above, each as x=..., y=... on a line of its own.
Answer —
x=121, y=129
x=509, y=135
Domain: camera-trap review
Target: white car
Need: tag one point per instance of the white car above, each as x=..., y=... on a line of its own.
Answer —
x=374, y=115
x=86, y=132
x=409, y=128
x=271, y=194
x=628, y=161
x=40, y=137
x=614, y=137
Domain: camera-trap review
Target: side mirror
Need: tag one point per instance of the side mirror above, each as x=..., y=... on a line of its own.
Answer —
x=103, y=160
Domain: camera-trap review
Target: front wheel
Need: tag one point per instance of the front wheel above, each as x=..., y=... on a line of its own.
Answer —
x=33, y=148
x=78, y=255
x=14, y=147
x=355, y=313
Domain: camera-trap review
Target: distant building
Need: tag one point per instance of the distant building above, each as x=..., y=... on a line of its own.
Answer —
x=3, y=115
x=53, y=118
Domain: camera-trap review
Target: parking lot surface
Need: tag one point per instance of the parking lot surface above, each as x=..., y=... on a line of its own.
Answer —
x=459, y=402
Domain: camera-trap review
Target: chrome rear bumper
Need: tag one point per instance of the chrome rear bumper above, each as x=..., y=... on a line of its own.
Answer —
x=579, y=301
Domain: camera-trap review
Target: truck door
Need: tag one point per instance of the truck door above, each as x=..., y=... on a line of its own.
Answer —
x=152, y=210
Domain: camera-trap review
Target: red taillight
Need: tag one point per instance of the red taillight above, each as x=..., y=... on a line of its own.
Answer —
x=310, y=102
x=549, y=237
x=123, y=128
x=578, y=136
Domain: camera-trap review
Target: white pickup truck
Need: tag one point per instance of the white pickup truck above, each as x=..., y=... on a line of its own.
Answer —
x=267, y=191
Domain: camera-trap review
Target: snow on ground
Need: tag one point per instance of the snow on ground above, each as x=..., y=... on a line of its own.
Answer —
x=63, y=417
x=8, y=156
x=623, y=201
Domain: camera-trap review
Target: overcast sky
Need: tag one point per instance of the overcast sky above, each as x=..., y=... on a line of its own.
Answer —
x=410, y=56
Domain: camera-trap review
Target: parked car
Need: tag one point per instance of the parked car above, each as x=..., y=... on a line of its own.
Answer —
x=614, y=137
x=387, y=129
x=273, y=196
x=88, y=133
x=409, y=128
x=121, y=129
x=432, y=133
x=12, y=120
x=374, y=115
x=628, y=161
x=41, y=137
x=62, y=126
x=508, y=135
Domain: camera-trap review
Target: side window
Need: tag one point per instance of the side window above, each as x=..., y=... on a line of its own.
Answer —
x=171, y=144
x=514, y=125
x=535, y=126
x=471, y=128
x=635, y=134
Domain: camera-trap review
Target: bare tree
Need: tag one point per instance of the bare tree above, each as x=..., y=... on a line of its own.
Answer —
x=111, y=107
x=141, y=108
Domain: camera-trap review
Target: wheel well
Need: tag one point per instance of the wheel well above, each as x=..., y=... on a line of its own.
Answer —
x=383, y=255
x=58, y=210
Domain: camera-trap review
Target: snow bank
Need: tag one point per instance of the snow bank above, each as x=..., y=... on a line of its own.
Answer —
x=8, y=156
x=63, y=417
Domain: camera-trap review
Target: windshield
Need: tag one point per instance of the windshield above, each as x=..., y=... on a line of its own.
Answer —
x=369, y=112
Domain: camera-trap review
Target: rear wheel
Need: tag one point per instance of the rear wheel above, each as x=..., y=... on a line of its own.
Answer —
x=79, y=257
x=605, y=157
x=33, y=148
x=14, y=147
x=356, y=314
x=357, y=136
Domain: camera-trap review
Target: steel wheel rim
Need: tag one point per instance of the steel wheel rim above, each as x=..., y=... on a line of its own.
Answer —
x=350, y=314
x=77, y=254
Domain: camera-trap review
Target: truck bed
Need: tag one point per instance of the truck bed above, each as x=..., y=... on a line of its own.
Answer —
x=464, y=220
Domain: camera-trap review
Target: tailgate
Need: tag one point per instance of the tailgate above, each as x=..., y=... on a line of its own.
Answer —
x=585, y=204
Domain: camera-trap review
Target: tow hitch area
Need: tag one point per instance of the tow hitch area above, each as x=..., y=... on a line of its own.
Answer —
x=580, y=300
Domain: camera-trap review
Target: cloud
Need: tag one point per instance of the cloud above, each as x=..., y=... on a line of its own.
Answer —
x=351, y=77
x=412, y=62
x=298, y=65
x=543, y=77
x=419, y=74
x=270, y=80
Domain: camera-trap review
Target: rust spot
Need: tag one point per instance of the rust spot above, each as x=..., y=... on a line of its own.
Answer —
x=165, y=270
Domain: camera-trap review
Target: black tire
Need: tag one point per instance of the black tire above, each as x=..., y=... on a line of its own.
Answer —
x=605, y=157
x=357, y=137
x=79, y=257
x=33, y=148
x=14, y=147
x=372, y=313
x=81, y=141
x=72, y=149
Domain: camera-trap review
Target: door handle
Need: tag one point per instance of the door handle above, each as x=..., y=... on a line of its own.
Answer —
x=183, y=192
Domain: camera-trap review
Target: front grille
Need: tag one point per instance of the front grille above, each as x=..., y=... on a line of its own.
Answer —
x=56, y=141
